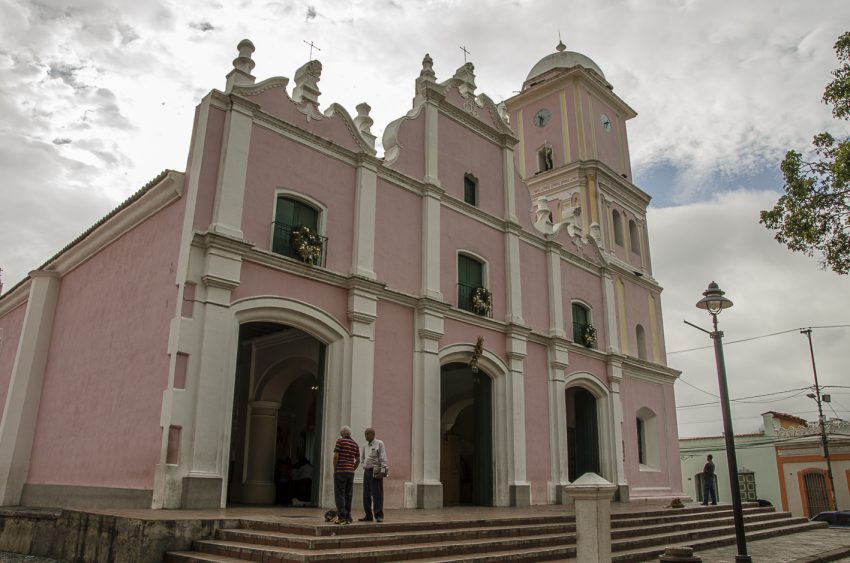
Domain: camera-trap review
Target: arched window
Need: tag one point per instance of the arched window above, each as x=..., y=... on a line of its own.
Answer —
x=296, y=231
x=617, y=220
x=634, y=237
x=647, y=439
x=472, y=293
x=583, y=331
x=640, y=337
x=545, y=158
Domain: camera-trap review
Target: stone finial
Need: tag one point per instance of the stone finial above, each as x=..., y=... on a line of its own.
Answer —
x=466, y=76
x=427, y=72
x=244, y=62
x=364, y=123
x=307, y=84
x=242, y=67
x=502, y=108
x=561, y=47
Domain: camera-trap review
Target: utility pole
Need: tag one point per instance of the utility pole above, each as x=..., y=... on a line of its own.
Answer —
x=821, y=419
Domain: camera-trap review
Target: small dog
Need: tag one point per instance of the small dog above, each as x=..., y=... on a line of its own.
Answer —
x=330, y=515
x=675, y=503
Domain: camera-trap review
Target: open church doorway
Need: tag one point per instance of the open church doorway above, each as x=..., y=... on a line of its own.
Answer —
x=582, y=433
x=275, y=449
x=466, y=445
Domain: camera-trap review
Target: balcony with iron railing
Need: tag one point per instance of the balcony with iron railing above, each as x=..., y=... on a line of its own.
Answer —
x=296, y=242
x=466, y=299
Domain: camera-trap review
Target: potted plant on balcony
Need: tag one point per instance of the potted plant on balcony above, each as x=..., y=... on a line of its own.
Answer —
x=482, y=301
x=589, y=336
x=307, y=244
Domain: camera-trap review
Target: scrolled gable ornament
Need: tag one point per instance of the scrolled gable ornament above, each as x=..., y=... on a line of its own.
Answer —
x=307, y=244
x=482, y=301
x=589, y=336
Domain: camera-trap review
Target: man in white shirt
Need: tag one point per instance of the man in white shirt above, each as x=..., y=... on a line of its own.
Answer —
x=374, y=470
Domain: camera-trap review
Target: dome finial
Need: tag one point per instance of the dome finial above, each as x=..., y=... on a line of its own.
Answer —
x=561, y=47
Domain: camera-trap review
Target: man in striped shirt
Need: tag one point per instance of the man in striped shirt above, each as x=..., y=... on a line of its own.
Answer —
x=346, y=460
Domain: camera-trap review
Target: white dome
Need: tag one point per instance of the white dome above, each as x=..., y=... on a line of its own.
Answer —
x=563, y=59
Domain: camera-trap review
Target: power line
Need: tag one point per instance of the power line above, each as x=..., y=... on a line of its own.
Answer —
x=753, y=338
x=750, y=397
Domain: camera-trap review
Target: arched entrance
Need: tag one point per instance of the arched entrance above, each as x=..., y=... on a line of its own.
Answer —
x=466, y=432
x=582, y=433
x=277, y=416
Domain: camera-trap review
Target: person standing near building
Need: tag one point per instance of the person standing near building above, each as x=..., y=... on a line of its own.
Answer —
x=708, y=482
x=374, y=470
x=346, y=460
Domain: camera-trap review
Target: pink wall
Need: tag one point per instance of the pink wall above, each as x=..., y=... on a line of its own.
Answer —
x=460, y=232
x=259, y=280
x=208, y=178
x=534, y=137
x=659, y=398
x=608, y=142
x=276, y=102
x=456, y=332
x=535, y=288
x=10, y=335
x=579, y=284
x=463, y=151
x=392, y=405
x=277, y=162
x=411, y=139
x=98, y=421
x=579, y=363
x=537, y=453
x=398, y=238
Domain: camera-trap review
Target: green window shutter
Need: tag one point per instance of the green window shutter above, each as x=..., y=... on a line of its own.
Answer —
x=579, y=323
x=291, y=213
x=470, y=275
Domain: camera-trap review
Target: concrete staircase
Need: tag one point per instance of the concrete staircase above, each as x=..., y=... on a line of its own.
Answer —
x=636, y=537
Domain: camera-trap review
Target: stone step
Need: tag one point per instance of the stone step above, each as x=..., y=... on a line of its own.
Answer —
x=712, y=521
x=627, y=520
x=467, y=548
x=195, y=557
x=377, y=535
x=651, y=553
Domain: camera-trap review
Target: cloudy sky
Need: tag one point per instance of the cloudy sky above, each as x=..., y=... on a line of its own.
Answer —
x=97, y=97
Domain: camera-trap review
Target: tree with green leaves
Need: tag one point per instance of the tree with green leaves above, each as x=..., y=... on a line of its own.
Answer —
x=814, y=213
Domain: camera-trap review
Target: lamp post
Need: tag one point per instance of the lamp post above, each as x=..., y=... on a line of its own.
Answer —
x=714, y=302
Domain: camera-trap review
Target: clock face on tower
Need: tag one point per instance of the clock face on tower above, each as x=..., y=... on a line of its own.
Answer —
x=541, y=118
x=606, y=123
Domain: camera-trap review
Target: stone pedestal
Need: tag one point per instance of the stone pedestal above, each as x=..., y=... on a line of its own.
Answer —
x=592, y=495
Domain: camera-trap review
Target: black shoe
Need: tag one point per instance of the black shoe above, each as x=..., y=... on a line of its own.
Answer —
x=713, y=504
x=365, y=519
x=705, y=504
x=380, y=519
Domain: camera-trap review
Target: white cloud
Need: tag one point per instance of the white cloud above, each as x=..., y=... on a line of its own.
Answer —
x=773, y=290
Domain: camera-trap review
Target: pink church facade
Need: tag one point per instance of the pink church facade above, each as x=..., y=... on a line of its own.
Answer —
x=482, y=295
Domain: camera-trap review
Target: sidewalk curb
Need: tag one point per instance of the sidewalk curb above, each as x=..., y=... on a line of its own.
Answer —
x=831, y=555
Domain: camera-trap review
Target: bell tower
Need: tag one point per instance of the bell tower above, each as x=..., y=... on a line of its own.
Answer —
x=573, y=153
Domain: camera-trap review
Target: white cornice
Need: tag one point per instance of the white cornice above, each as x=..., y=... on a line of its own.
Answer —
x=646, y=371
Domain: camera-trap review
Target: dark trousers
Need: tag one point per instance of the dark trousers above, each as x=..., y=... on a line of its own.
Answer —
x=343, y=490
x=708, y=490
x=373, y=495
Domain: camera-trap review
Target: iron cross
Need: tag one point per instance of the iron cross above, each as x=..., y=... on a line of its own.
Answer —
x=312, y=46
x=465, y=53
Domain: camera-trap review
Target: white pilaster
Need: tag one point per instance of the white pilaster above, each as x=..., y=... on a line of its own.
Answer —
x=519, y=487
x=259, y=486
x=432, y=175
x=609, y=304
x=17, y=429
x=431, y=243
x=615, y=378
x=230, y=192
x=558, y=363
x=510, y=184
x=426, y=490
x=362, y=312
x=363, y=256
x=556, y=303
x=514, y=277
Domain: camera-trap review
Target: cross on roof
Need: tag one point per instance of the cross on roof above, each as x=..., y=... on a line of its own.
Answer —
x=465, y=53
x=312, y=46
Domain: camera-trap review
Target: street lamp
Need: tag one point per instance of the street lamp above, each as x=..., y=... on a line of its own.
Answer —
x=714, y=302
